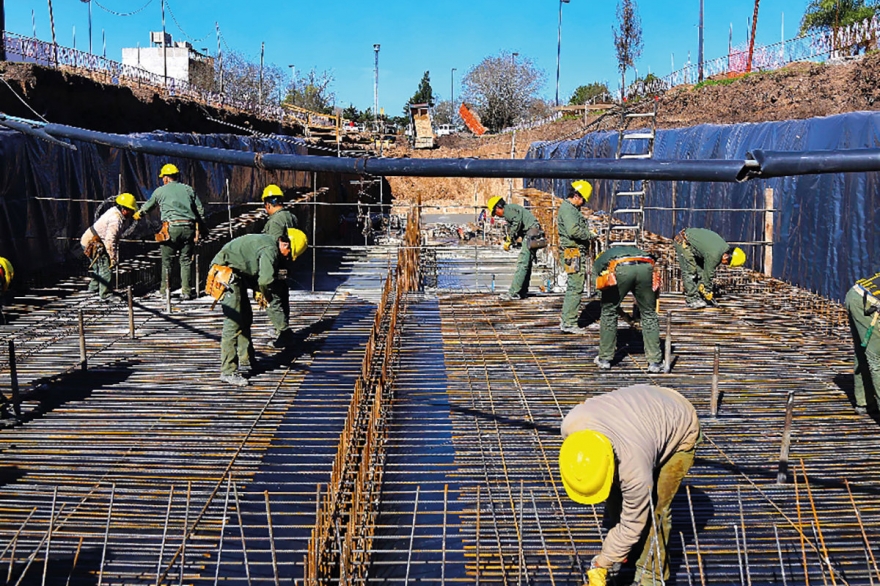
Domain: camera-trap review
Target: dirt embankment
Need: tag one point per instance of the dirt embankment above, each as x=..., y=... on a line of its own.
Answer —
x=801, y=90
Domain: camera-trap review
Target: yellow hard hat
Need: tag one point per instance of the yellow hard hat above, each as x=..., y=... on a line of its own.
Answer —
x=298, y=242
x=272, y=190
x=737, y=257
x=8, y=272
x=493, y=201
x=584, y=188
x=126, y=200
x=168, y=169
x=586, y=462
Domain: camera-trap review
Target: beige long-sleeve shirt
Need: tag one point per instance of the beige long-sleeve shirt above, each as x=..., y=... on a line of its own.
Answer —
x=646, y=425
x=109, y=230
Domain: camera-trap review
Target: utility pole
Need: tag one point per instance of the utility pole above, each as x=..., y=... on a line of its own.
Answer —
x=2, y=31
x=700, y=47
x=164, y=48
x=752, y=37
x=262, y=53
x=376, y=88
x=452, y=95
x=54, y=40
x=559, y=48
x=219, y=56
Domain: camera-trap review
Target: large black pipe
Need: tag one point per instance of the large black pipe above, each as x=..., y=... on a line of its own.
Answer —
x=781, y=163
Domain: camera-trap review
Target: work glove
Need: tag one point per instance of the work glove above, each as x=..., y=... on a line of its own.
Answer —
x=706, y=293
x=507, y=244
x=597, y=576
x=262, y=303
x=137, y=216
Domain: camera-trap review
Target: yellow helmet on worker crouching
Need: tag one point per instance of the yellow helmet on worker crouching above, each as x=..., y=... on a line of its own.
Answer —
x=8, y=273
x=272, y=190
x=737, y=257
x=168, y=169
x=298, y=242
x=127, y=201
x=586, y=462
x=493, y=201
x=585, y=188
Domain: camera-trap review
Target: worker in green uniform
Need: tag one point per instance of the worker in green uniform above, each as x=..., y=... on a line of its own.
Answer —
x=618, y=271
x=520, y=224
x=255, y=260
x=863, y=306
x=574, y=236
x=182, y=216
x=280, y=220
x=699, y=252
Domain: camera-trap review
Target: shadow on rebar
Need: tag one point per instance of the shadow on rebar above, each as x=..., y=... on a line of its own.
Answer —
x=553, y=430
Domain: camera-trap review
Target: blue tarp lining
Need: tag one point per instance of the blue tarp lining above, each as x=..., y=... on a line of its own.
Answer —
x=35, y=234
x=826, y=229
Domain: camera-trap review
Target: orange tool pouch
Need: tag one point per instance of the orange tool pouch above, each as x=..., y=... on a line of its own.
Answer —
x=681, y=238
x=94, y=247
x=162, y=235
x=571, y=260
x=608, y=278
x=219, y=279
x=657, y=280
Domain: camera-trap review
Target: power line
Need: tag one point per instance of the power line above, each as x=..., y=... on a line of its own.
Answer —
x=114, y=13
x=183, y=32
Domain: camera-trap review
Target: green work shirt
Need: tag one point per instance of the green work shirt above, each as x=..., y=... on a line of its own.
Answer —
x=574, y=231
x=601, y=262
x=279, y=222
x=708, y=247
x=519, y=220
x=255, y=256
x=176, y=202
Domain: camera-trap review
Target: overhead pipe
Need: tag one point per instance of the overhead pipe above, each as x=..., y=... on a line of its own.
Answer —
x=760, y=163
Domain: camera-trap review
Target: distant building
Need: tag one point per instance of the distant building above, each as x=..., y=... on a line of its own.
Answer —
x=184, y=63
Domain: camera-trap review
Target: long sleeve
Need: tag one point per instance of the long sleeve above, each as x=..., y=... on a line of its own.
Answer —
x=267, y=273
x=200, y=208
x=150, y=203
x=111, y=237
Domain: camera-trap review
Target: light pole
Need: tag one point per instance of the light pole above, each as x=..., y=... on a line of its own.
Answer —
x=292, y=83
x=559, y=47
x=452, y=96
x=376, y=89
x=89, y=2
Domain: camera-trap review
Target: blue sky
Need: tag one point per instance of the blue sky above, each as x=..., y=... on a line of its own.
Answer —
x=338, y=36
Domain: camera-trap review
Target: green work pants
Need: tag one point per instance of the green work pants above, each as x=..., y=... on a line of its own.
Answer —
x=236, y=347
x=651, y=550
x=866, y=374
x=523, y=274
x=180, y=242
x=573, y=291
x=101, y=276
x=690, y=275
x=638, y=279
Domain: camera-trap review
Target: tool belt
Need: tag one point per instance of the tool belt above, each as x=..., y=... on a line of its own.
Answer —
x=608, y=277
x=535, y=238
x=571, y=260
x=162, y=235
x=218, y=282
x=681, y=238
x=94, y=248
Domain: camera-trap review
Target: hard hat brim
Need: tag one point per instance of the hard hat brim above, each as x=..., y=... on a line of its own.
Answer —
x=583, y=499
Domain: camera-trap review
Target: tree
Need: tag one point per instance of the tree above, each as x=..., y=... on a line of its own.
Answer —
x=832, y=14
x=627, y=38
x=424, y=95
x=351, y=113
x=501, y=89
x=585, y=93
x=312, y=92
x=443, y=113
x=241, y=81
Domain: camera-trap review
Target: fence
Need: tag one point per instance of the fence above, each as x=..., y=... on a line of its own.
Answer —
x=30, y=50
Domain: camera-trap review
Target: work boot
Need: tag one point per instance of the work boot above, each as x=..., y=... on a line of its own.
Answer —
x=509, y=297
x=187, y=296
x=602, y=364
x=656, y=367
x=572, y=329
x=234, y=379
x=861, y=410
x=696, y=304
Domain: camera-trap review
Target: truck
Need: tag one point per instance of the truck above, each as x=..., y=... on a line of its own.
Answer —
x=423, y=132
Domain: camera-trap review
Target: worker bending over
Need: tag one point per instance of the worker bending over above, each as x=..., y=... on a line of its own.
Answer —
x=520, y=224
x=863, y=306
x=627, y=446
x=280, y=220
x=618, y=271
x=101, y=243
x=255, y=260
x=699, y=252
x=574, y=237
x=182, y=216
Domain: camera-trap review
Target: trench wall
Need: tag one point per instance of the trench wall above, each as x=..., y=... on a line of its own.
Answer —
x=827, y=227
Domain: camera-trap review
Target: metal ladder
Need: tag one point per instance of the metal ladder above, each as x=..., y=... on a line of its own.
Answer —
x=628, y=206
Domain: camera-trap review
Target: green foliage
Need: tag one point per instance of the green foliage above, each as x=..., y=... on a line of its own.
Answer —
x=351, y=113
x=713, y=82
x=829, y=14
x=424, y=95
x=312, y=92
x=585, y=93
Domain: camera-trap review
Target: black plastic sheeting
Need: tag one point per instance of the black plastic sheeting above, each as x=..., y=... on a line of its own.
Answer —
x=827, y=227
x=39, y=233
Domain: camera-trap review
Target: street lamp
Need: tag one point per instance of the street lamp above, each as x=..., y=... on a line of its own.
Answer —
x=89, y=2
x=376, y=88
x=559, y=48
x=292, y=82
x=452, y=96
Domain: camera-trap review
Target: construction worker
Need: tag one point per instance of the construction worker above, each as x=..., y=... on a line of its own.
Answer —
x=699, y=252
x=182, y=217
x=279, y=222
x=618, y=271
x=630, y=447
x=863, y=306
x=574, y=236
x=6, y=274
x=101, y=243
x=520, y=223
x=255, y=260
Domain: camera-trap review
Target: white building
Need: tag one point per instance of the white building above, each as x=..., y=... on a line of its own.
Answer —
x=183, y=62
